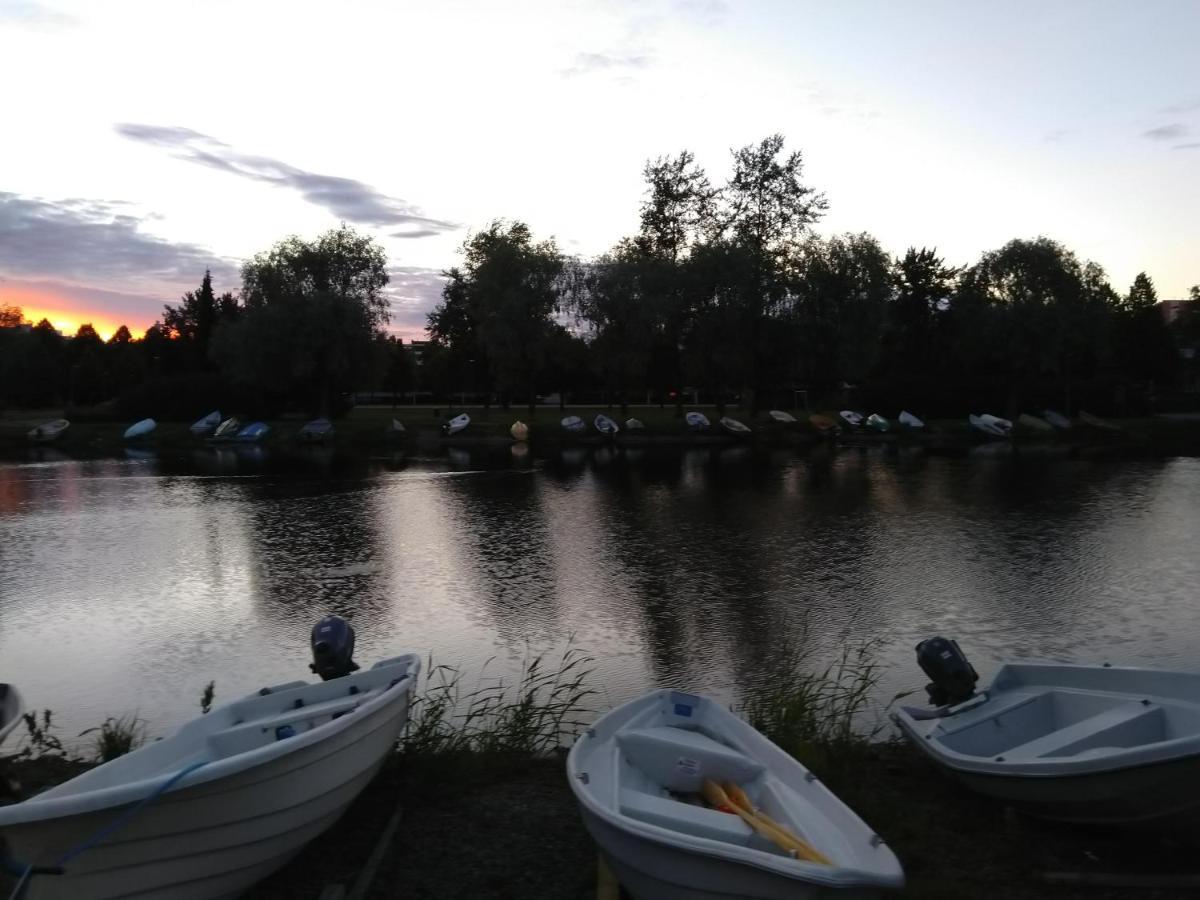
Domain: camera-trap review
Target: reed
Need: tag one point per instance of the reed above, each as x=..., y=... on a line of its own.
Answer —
x=116, y=736
x=529, y=716
x=821, y=717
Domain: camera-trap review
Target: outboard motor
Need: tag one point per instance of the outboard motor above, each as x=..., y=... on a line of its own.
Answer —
x=953, y=677
x=332, y=648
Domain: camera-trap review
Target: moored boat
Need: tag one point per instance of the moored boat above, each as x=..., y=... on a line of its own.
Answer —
x=316, y=431
x=455, y=425
x=696, y=421
x=1096, y=422
x=908, y=420
x=638, y=775
x=253, y=433
x=1058, y=420
x=851, y=418
x=1034, y=423
x=207, y=425
x=226, y=800
x=734, y=427
x=605, y=425
x=879, y=423
x=825, y=426
x=1102, y=745
x=12, y=707
x=227, y=430
x=632, y=424
x=992, y=426
x=519, y=431
x=396, y=429
x=48, y=431
x=139, y=429
x=573, y=424
x=781, y=418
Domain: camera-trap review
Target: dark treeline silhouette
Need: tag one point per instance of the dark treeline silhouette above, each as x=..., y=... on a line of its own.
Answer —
x=724, y=290
x=728, y=290
x=305, y=331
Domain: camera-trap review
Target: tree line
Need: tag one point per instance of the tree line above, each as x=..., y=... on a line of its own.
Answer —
x=724, y=289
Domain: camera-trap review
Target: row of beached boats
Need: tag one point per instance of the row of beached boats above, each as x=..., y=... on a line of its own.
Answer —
x=682, y=797
x=211, y=427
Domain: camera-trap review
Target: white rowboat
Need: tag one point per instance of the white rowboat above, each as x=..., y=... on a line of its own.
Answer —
x=876, y=422
x=48, y=431
x=851, y=418
x=519, y=431
x=697, y=421
x=783, y=418
x=457, y=424
x=605, y=425
x=636, y=772
x=206, y=426
x=992, y=426
x=254, y=432
x=574, y=424
x=140, y=429
x=12, y=707
x=254, y=781
x=635, y=425
x=733, y=426
x=1088, y=744
x=227, y=430
x=908, y=420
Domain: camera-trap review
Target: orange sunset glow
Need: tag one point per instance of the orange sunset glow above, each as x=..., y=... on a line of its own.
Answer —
x=65, y=313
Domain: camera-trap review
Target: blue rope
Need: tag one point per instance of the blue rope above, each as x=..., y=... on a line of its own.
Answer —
x=27, y=870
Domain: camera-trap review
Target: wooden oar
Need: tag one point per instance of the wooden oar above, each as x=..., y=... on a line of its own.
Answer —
x=717, y=797
x=803, y=849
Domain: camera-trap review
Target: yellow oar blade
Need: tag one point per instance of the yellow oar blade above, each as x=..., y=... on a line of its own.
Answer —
x=803, y=849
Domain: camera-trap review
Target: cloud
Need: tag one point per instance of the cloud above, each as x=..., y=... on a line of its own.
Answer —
x=705, y=12
x=29, y=12
x=413, y=292
x=97, y=242
x=348, y=199
x=1183, y=106
x=1172, y=132
x=1194, y=145
x=1057, y=134
x=617, y=63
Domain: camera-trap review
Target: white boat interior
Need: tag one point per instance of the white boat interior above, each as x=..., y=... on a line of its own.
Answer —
x=851, y=418
x=696, y=420
x=1058, y=719
x=574, y=424
x=605, y=425
x=642, y=767
x=457, y=424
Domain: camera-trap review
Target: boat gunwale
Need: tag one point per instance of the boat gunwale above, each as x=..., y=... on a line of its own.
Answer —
x=837, y=876
x=41, y=807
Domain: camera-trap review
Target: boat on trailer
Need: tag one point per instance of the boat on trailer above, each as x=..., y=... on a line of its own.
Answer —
x=1096, y=745
x=226, y=800
x=639, y=775
x=12, y=707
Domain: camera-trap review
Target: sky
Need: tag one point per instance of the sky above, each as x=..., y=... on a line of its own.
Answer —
x=143, y=142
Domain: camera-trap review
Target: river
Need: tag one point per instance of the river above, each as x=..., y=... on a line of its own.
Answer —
x=128, y=584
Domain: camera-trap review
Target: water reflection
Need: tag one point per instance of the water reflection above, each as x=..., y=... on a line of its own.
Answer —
x=129, y=583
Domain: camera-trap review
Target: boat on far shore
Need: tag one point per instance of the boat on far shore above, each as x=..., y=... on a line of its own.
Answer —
x=879, y=423
x=455, y=425
x=140, y=429
x=824, y=425
x=227, y=430
x=573, y=424
x=207, y=425
x=315, y=432
x=779, y=417
x=908, y=420
x=1034, y=423
x=606, y=425
x=696, y=421
x=48, y=431
x=253, y=433
x=632, y=424
x=852, y=418
x=1058, y=420
x=734, y=427
x=1096, y=422
x=992, y=426
x=519, y=431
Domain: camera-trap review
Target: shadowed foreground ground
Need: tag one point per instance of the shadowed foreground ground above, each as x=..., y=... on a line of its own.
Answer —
x=512, y=831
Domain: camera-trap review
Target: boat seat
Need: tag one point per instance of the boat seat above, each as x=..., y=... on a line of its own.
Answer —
x=248, y=735
x=1124, y=725
x=679, y=759
x=684, y=817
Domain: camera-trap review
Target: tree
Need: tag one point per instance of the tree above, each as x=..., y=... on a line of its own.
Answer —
x=311, y=313
x=500, y=302
x=1141, y=294
x=11, y=316
x=678, y=208
x=1194, y=293
x=121, y=336
x=923, y=285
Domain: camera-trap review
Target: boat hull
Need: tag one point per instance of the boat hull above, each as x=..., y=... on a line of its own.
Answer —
x=639, y=865
x=218, y=838
x=1162, y=795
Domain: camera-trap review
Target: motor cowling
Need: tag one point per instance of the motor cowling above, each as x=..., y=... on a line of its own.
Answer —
x=333, y=648
x=952, y=676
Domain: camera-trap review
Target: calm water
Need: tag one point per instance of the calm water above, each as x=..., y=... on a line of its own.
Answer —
x=127, y=584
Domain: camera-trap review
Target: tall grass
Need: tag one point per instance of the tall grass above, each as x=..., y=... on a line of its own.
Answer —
x=821, y=717
x=117, y=736
x=529, y=716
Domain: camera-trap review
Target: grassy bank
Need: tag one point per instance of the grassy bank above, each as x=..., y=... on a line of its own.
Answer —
x=369, y=428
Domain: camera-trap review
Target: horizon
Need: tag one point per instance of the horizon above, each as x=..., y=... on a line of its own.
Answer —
x=935, y=126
